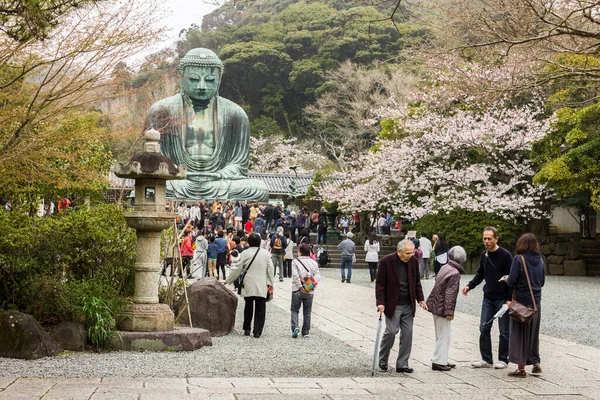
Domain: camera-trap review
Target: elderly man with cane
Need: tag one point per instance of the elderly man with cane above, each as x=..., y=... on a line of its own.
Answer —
x=397, y=290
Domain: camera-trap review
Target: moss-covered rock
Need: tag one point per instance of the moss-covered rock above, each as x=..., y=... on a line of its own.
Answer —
x=23, y=337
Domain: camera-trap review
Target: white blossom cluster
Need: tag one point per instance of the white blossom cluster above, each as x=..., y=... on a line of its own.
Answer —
x=469, y=160
x=276, y=154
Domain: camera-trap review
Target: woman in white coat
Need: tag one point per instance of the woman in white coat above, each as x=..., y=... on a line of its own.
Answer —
x=257, y=283
x=372, y=258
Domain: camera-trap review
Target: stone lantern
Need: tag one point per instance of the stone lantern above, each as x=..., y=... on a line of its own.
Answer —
x=150, y=170
x=149, y=325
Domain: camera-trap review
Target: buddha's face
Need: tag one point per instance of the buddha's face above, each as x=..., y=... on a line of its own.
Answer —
x=201, y=83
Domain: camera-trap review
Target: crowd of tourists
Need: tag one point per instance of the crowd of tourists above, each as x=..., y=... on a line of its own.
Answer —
x=255, y=243
x=249, y=245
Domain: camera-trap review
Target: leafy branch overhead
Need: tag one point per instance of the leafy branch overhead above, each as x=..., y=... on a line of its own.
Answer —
x=50, y=128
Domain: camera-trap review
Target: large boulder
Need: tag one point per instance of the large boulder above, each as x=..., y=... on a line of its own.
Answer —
x=574, y=250
x=574, y=268
x=561, y=249
x=556, y=269
x=212, y=305
x=555, y=259
x=70, y=335
x=23, y=337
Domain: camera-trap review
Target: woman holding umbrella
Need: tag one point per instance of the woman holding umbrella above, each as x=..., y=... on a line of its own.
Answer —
x=442, y=302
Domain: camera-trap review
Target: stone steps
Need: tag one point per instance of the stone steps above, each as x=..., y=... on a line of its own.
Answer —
x=590, y=254
x=335, y=255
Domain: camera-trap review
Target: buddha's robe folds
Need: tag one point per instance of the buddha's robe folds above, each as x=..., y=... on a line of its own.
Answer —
x=173, y=117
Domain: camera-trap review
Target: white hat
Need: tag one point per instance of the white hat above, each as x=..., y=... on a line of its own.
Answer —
x=280, y=229
x=349, y=235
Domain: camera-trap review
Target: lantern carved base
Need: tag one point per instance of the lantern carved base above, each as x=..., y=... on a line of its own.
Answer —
x=147, y=318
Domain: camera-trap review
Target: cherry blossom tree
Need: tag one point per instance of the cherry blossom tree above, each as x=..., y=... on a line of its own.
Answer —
x=277, y=154
x=472, y=160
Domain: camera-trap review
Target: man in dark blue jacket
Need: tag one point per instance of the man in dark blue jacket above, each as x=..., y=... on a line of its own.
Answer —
x=494, y=264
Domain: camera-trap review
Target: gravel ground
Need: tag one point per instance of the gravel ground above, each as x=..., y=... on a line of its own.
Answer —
x=275, y=354
x=569, y=304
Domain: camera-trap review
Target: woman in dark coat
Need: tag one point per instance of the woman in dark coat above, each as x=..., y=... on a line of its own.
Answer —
x=524, y=344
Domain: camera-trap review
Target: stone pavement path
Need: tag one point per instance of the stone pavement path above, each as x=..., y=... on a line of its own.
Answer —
x=347, y=311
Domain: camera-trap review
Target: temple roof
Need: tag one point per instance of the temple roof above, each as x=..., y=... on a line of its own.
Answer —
x=278, y=184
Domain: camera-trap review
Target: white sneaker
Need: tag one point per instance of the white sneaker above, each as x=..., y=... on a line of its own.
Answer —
x=481, y=364
x=500, y=365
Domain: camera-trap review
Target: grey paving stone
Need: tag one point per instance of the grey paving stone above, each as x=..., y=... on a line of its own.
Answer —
x=347, y=391
x=28, y=388
x=210, y=382
x=233, y=390
x=278, y=397
x=17, y=396
x=132, y=383
x=5, y=382
x=70, y=392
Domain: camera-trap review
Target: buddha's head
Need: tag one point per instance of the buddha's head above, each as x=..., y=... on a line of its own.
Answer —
x=201, y=71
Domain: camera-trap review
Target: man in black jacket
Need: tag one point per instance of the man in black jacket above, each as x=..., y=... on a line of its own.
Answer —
x=495, y=262
x=245, y=212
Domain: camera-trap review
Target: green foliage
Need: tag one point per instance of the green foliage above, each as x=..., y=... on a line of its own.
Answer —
x=276, y=52
x=73, y=159
x=100, y=319
x=33, y=19
x=311, y=191
x=265, y=127
x=48, y=265
x=464, y=228
x=569, y=155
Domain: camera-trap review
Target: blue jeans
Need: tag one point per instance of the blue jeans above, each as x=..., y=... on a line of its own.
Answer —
x=346, y=261
x=321, y=237
x=488, y=309
x=305, y=300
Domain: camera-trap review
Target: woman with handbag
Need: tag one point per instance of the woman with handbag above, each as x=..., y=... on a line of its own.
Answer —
x=526, y=279
x=256, y=268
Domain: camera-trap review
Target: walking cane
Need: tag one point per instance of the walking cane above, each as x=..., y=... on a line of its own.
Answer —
x=376, y=349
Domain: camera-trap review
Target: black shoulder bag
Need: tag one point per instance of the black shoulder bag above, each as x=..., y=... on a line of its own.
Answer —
x=239, y=282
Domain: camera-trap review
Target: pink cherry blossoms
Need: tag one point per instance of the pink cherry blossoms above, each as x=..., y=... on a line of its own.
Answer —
x=470, y=160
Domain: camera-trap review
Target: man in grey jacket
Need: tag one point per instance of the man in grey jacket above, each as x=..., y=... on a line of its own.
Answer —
x=347, y=246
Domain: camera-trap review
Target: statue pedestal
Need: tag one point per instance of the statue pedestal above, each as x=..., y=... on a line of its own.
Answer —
x=332, y=233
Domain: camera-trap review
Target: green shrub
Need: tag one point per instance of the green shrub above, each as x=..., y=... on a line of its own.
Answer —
x=464, y=228
x=48, y=265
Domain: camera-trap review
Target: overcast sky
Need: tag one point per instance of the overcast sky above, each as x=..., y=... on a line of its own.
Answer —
x=185, y=13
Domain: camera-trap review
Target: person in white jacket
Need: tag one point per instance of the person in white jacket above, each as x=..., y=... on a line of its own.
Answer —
x=200, y=255
x=258, y=282
x=372, y=257
x=289, y=256
x=426, y=247
x=304, y=270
